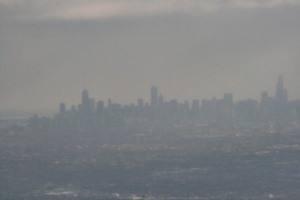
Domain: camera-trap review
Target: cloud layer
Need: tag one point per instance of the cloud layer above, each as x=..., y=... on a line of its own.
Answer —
x=103, y=9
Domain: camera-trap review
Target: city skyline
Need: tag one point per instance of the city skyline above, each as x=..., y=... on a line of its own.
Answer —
x=118, y=49
x=94, y=114
x=156, y=97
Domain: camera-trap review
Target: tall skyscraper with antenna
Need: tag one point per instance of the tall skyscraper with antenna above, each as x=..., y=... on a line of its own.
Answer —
x=85, y=102
x=281, y=95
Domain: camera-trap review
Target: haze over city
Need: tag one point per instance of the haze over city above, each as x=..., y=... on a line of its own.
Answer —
x=52, y=50
x=149, y=99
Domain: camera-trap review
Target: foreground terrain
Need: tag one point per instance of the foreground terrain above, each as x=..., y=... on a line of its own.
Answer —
x=154, y=164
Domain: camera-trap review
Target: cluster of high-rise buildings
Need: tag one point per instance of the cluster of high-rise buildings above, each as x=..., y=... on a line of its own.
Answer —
x=273, y=109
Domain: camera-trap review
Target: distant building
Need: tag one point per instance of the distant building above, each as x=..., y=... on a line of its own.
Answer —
x=228, y=100
x=62, y=108
x=195, y=105
x=154, y=96
x=186, y=104
x=160, y=99
x=92, y=105
x=100, y=106
x=246, y=110
x=73, y=109
x=174, y=105
x=85, y=103
x=85, y=97
x=281, y=95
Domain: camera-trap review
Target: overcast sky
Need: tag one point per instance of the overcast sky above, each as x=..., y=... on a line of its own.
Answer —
x=50, y=50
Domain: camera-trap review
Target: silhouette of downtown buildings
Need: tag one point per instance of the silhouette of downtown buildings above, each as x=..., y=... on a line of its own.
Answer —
x=224, y=111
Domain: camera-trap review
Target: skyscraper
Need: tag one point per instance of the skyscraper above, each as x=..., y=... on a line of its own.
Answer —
x=92, y=105
x=195, y=105
x=228, y=100
x=100, y=109
x=154, y=96
x=281, y=93
x=140, y=107
x=85, y=103
x=62, y=108
x=85, y=97
x=160, y=100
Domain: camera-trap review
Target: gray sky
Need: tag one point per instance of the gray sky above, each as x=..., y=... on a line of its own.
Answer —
x=191, y=49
